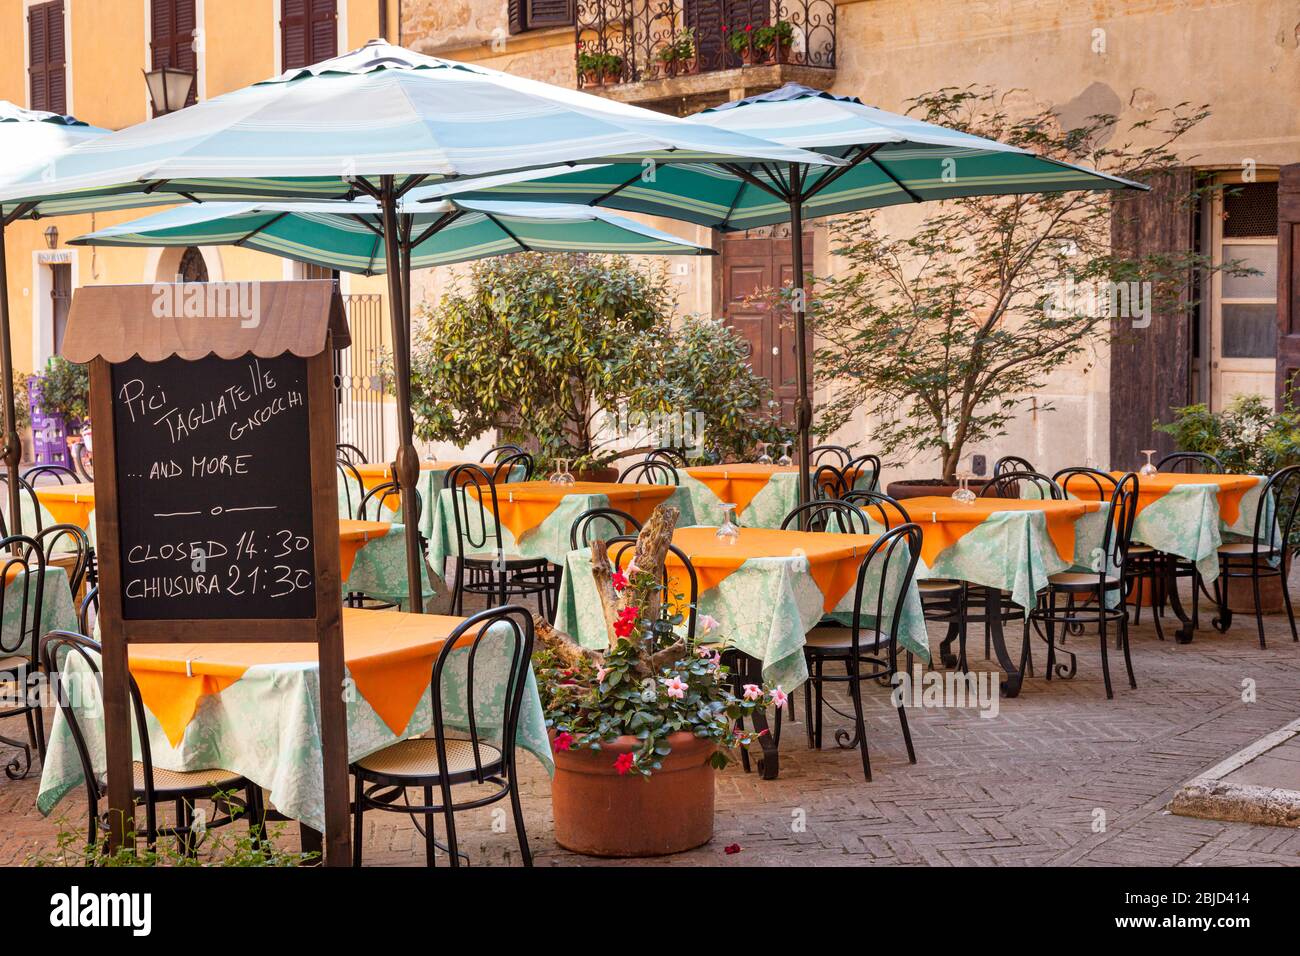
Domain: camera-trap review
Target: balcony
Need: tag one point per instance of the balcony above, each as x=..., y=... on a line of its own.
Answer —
x=684, y=54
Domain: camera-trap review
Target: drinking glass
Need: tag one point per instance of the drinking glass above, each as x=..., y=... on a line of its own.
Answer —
x=785, y=461
x=963, y=495
x=728, y=532
x=763, y=457
x=1147, y=470
x=561, y=475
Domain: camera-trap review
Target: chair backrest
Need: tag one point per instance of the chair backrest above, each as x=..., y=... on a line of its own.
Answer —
x=1279, y=501
x=70, y=545
x=474, y=507
x=1009, y=485
x=386, y=497
x=686, y=604
x=1009, y=463
x=350, y=484
x=61, y=474
x=650, y=472
x=1119, y=529
x=497, y=452
x=879, y=507
x=84, y=462
x=351, y=454
x=889, y=565
x=828, y=483
x=672, y=456
x=1086, y=484
x=863, y=473
x=839, y=455
x=88, y=612
x=520, y=462
x=827, y=514
x=620, y=524
x=22, y=585
x=503, y=636
x=24, y=489
x=1190, y=463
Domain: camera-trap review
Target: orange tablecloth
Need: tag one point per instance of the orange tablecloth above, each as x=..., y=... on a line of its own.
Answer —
x=353, y=536
x=69, y=504
x=523, y=505
x=833, y=559
x=1151, y=488
x=738, y=483
x=389, y=656
x=376, y=473
x=943, y=521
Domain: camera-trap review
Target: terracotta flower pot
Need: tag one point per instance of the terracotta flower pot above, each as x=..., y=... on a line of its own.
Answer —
x=923, y=487
x=600, y=812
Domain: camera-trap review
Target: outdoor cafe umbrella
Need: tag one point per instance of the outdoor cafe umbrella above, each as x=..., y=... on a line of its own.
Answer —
x=378, y=122
x=889, y=160
x=348, y=235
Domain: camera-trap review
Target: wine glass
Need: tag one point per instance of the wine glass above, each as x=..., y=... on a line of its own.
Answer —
x=1147, y=470
x=963, y=495
x=763, y=457
x=785, y=461
x=561, y=475
x=728, y=532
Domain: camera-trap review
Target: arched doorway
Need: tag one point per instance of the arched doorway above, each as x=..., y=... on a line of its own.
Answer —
x=192, y=268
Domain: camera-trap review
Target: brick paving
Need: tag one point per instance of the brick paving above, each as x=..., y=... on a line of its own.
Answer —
x=1060, y=776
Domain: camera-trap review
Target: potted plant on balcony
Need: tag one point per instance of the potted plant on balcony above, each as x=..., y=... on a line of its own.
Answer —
x=590, y=67
x=740, y=41
x=611, y=69
x=774, y=41
x=677, y=57
x=639, y=728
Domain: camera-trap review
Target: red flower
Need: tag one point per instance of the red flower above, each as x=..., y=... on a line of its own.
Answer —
x=619, y=580
x=749, y=27
x=563, y=740
x=624, y=763
x=732, y=848
x=626, y=621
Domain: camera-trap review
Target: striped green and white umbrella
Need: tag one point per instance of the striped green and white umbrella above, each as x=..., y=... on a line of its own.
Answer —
x=348, y=235
x=889, y=160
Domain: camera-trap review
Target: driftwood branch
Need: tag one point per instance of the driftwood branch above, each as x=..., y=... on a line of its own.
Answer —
x=563, y=646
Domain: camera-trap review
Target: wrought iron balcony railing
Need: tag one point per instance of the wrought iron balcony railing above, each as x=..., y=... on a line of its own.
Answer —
x=628, y=41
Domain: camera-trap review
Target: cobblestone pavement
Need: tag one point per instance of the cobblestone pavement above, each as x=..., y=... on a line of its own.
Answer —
x=1059, y=776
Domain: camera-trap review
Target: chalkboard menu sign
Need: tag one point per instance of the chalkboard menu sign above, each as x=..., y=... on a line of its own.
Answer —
x=214, y=488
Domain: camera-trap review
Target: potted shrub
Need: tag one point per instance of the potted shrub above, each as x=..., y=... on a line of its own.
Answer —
x=639, y=728
x=774, y=41
x=590, y=67
x=1248, y=438
x=678, y=55
x=739, y=41
x=611, y=68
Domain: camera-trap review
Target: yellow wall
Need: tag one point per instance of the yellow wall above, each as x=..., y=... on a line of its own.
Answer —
x=108, y=53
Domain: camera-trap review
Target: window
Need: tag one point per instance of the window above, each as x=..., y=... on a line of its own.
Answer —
x=538, y=14
x=309, y=32
x=48, y=81
x=171, y=38
x=192, y=267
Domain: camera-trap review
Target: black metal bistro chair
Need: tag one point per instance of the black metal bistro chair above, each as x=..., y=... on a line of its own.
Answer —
x=351, y=454
x=604, y=523
x=837, y=455
x=383, y=502
x=684, y=602
x=1267, y=554
x=1190, y=463
x=25, y=490
x=863, y=465
x=1087, y=592
x=483, y=566
x=1009, y=463
x=492, y=645
x=152, y=786
x=829, y=483
x=498, y=452
x=650, y=471
x=22, y=585
x=514, y=467
x=68, y=546
x=673, y=456
x=351, y=488
x=868, y=653
x=54, y=474
x=88, y=612
x=827, y=514
x=1015, y=484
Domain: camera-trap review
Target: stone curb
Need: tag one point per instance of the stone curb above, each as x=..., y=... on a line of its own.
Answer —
x=1210, y=797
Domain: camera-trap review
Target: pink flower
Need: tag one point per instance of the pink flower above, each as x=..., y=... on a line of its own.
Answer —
x=619, y=580
x=601, y=674
x=675, y=687
x=779, y=698
x=563, y=740
x=753, y=692
x=624, y=763
x=709, y=623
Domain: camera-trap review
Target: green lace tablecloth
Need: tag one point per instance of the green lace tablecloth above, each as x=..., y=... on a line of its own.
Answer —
x=765, y=608
x=265, y=726
x=380, y=570
x=1186, y=521
x=767, y=509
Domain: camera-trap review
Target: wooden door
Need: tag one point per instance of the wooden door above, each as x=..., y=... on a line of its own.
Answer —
x=751, y=262
x=60, y=298
x=1288, y=284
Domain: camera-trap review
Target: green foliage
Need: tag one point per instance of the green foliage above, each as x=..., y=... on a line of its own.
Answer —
x=1248, y=437
x=22, y=406
x=680, y=49
x=627, y=693
x=557, y=347
x=943, y=333
x=767, y=36
x=65, y=389
x=738, y=38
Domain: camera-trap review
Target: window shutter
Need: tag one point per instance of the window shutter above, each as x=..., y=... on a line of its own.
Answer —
x=1288, y=284
x=171, y=38
x=516, y=12
x=48, y=82
x=549, y=13
x=308, y=32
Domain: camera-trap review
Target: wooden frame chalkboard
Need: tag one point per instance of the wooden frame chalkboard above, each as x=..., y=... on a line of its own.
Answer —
x=203, y=357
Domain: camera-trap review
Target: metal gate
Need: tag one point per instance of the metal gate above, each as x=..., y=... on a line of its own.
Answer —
x=359, y=382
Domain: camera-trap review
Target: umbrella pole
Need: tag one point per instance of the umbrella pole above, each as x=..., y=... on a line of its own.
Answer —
x=407, y=466
x=13, y=445
x=803, y=404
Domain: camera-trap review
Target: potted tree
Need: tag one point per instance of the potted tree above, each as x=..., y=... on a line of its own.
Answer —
x=639, y=728
x=944, y=334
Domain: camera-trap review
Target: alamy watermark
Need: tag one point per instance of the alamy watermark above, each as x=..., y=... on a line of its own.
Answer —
x=209, y=300
x=1118, y=300
x=978, y=690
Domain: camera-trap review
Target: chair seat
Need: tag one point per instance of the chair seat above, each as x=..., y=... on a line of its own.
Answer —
x=938, y=587
x=490, y=557
x=1141, y=551
x=176, y=781
x=11, y=665
x=418, y=758
x=834, y=637
x=1244, y=549
x=1081, y=580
